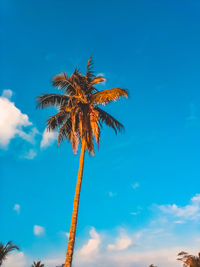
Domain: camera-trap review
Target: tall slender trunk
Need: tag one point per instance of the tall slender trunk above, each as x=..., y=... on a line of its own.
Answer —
x=72, y=234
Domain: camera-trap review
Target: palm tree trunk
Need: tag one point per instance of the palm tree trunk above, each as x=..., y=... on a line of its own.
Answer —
x=72, y=234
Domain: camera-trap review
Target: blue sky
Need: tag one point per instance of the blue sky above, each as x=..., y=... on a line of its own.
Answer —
x=140, y=191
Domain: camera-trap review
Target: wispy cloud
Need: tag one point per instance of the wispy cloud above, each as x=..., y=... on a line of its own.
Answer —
x=17, y=208
x=192, y=119
x=134, y=213
x=179, y=222
x=48, y=138
x=137, y=211
x=38, y=230
x=31, y=154
x=67, y=235
x=112, y=194
x=188, y=212
x=135, y=185
x=29, y=137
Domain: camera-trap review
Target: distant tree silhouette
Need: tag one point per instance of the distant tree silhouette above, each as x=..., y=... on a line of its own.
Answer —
x=37, y=264
x=5, y=250
x=189, y=260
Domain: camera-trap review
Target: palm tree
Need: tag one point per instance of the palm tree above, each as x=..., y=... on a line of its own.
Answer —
x=37, y=264
x=189, y=260
x=5, y=250
x=79, y=119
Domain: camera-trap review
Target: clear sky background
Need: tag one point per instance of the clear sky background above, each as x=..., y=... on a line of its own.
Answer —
x=140, y=201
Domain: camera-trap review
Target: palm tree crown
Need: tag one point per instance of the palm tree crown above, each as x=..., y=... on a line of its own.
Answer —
x=79, y=116
x=37, y=264
x=5, y=250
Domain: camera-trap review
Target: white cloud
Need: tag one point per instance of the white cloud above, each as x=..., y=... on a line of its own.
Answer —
x=141, y=248
x=58, y=260
x=12, y=121
x=137, y=249
x=135, y=185
x=158, y=243
x=31, y=154
x=38, y=230
x=189, y=212
x=159, y=257
x=16, y=259
x=196, y=198
x=121, y=243
x=92, y=246
x=48, y=138
x=17, y=208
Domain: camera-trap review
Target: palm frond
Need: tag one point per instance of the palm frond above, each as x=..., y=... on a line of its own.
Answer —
x=106, y=96
x=98, y=79
x=10, y=246
x=75, y=142
x=91, y=89
x=89, y=141
x=109, y=120
x=65, y=131
x=57, y=120
x=6, y=249
x=62, y=81
x=89, y=72
x=94, y=125
x=50, y=100
x=80, y=83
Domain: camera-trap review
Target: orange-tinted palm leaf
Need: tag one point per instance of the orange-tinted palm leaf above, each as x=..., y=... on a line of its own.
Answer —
x=94, y=125
x=64, y=82
x=65, y=131
x=109, y=120
x=49, y=100
x=75, y=142
x=57, y=120
x=98, y=79
x=89, y=72
x=106, y=96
